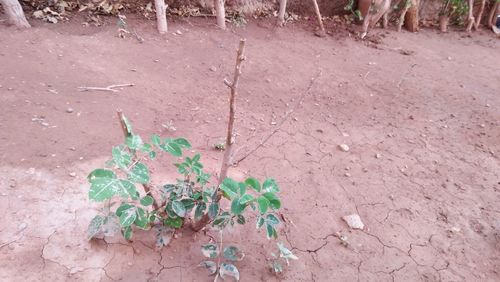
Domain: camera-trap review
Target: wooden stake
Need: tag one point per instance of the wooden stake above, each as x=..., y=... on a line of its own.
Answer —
x=471, y=21
x=281, y=13
x=220, y=12
x=15, y=13
x=226, y=161
x=161, y=16
x=480, y=15
x=321, y=32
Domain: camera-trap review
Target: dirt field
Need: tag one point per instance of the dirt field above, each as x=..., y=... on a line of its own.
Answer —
x=423, y=169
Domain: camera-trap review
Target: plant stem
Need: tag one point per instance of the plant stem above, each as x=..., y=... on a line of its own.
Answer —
x=226, y=161
x=147, y=187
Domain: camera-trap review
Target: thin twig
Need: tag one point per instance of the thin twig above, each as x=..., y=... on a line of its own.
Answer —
x=283, y=120
x=226, y=161
x=110, y=88
x=126, y=133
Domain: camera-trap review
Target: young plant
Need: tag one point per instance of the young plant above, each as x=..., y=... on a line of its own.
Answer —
x=219, y=268
x=167, y=207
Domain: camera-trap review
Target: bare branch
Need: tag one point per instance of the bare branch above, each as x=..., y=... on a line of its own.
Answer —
x=110, y=88
x=283, y=120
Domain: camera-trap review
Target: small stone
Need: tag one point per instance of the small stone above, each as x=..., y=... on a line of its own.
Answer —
x=378, y=156
x=45, y=124
x=12, y=183
x=69, y=110
x=482, y=125
x=449, y=58
x=345, y=134
x=354, y=221
x=178, y=32
x=212, y=68
x=72, y=174
x=487, y=105
x=347, y=174
x=268, y=80
x=72, y=148
x=344, y=147
x=22, y=226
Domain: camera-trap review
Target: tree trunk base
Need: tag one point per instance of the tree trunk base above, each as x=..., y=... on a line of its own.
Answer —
x=15, y=13
x=411, y=19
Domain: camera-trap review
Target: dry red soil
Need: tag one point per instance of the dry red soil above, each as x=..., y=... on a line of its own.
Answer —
x=423, y=169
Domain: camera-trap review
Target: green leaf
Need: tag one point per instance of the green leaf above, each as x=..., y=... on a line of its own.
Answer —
x=230, y=188
x=146, y=148
x=274, y=200
x=246, y=199
x=271, y=232
x=188, y=204
x=139, y=173
x=171, y=147
x=242, y=189
x=200, y=210
x=174, y=222
x=254, y=183
x=236, y=207
x=127, y=233
x=196, y=158
x=122, y=159
x=260, y=222
x=209, y=265
x=241, y=219
x=263, y=203
x=147, y=201
x=272, y=219
x=182, y=142
x=134, y=142
x=130, y=189
x=210, y=250
x=128, y=216
x=152, y=155
x=222, y=220
x=213, y=210
x=94, y=226
x=155, y=139
x=227, y=269
x=103, y=188
x=232, y=253
x=179, y=208
x=122, y=208
x=100, y=173
x=142, y=219
x=270, y=185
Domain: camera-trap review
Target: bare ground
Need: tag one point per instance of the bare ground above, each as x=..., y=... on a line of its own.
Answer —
x=422, y=171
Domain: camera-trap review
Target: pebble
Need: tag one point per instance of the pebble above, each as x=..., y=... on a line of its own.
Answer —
x=344, y=147
x=212, y=68
x=69, y=110
x=179, y=32
x=347, y=174
x=378, y=156
x=72, y=174
x=22, y=226
x=354, y=221
x=72, y=148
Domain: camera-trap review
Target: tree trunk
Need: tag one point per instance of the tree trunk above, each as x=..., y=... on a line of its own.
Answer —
x=281, y=13
x=161, y=16
x=470, y=21
x=480, y=14
x=411, y=19
x=15, y=13
x=220, y=12
x=492, y=17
